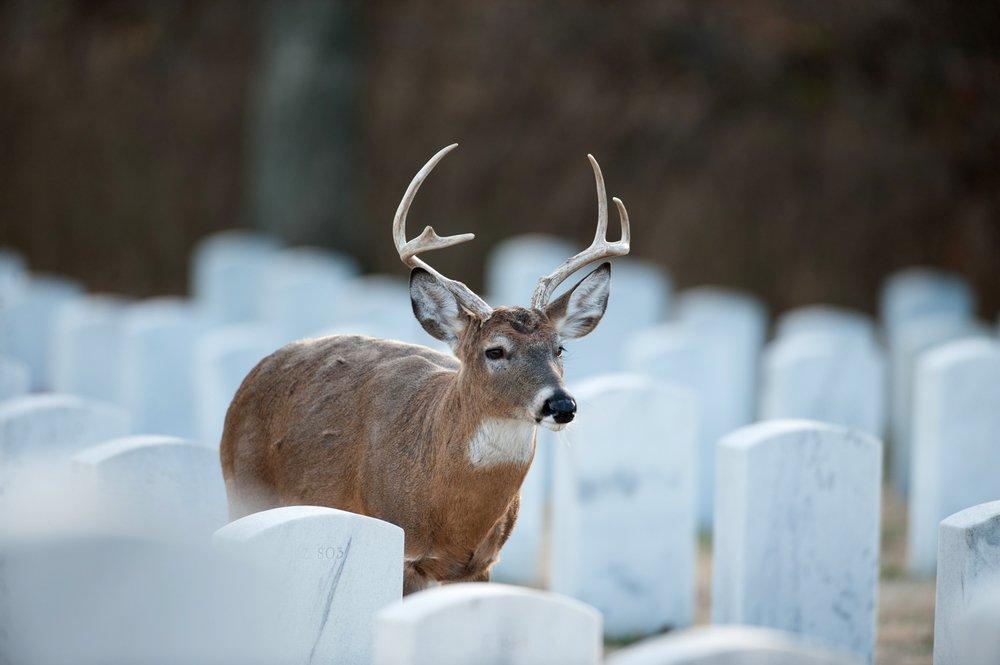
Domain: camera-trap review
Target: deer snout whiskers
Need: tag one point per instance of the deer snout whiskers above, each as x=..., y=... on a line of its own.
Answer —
x=554, y=408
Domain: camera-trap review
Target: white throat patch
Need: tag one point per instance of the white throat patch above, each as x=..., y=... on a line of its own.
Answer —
x=501, y=441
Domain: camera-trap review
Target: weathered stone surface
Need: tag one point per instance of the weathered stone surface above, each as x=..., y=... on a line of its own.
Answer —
x=226, y=273
x=330, y=571
x=155, y=486
x=968, y=585
x=491, y=624
x=728, y=645
x=622, y=473
x=827, y=376
x=796, y=541
x=956, y=436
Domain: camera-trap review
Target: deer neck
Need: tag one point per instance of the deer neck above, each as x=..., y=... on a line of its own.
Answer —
x=485, y=440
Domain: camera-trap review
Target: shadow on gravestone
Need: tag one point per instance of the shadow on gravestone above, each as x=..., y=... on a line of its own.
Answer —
x=956, y=453
x=326, y=572
x=967, y=605
x=796, y=540
x=728, y=645
x=629, y=464
x=487, y=624
x=155, y=486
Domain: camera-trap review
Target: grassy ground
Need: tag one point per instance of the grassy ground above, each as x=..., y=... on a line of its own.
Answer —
x=906, y=604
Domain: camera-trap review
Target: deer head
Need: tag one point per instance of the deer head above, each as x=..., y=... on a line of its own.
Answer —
x=511, y=356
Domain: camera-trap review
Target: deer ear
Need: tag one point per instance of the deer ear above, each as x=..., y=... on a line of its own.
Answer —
x=435, y=307
x=578, y=311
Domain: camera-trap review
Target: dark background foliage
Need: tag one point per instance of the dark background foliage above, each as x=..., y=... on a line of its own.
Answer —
x=798, y=150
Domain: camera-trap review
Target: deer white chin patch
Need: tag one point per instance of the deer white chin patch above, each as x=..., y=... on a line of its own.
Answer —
x=502, y=441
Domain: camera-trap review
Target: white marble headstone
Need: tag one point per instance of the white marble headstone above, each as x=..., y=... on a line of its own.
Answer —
x=227, y=273
x=830, y=377
x=27, y=323
x=728, y=645
x=223, y=358
x=628, y=465
x=796, y=541
x=381, y=303
x=968, y=574
x=514, y=266
x=330, y=571
x=13, y=275
x=674, y=353
x=156, y=486
x=306, y=289
x=826, y=319
x=956, y=440
x=158, y=365
x=915, y=293
x=13, y=378
x=911, y=340
x=87, y=347
x=55, y=426
x=487, y=624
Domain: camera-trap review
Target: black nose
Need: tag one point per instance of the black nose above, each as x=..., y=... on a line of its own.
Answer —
x=560, y=406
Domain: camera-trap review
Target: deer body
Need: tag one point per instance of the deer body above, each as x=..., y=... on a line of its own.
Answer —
x=436, y=444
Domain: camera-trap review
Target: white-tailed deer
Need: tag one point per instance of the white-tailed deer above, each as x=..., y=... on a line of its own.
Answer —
x=436, y=444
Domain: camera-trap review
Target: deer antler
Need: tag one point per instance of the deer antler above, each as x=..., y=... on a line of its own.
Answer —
x=429, y=240
x=599, y=249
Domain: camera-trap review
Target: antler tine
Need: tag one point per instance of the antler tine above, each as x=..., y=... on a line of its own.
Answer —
x=428, y=240
x=599, y=249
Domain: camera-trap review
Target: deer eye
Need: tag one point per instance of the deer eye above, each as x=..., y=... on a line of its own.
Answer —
x=559, y=351
x=495, y=353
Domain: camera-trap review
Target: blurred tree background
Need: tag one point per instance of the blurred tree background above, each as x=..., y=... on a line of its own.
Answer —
x=798, y=150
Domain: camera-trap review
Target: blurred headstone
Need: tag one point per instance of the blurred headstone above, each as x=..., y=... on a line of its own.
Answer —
x=514, y=266
x=728, y=645
x=381, y=303
x=227, y=273
x=14, y=378
x=155, y=486
x=916, y=293
x=956, y=440
x=27, y=323
x=796, y=540
x=675, y=354
x=640, y=297
x=487, y=624
x=826, y=319
x=731, y=327
x=629, y=466
x=305, y=290
x=911, y=340
x=13, y=275
x=826, y=376
x=87, y=347
x=306, y=161
x=223, y=358
x=968, y=573
x=158, y=365
x=334, y=571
